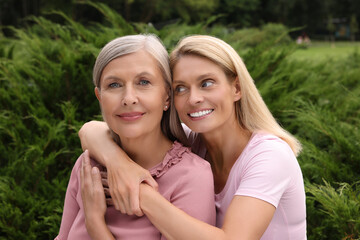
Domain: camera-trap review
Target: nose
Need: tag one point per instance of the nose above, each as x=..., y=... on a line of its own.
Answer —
x=195, y=96
x=130, y=96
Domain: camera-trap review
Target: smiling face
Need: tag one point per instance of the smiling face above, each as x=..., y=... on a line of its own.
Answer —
x=204, y=97
x=133, y=95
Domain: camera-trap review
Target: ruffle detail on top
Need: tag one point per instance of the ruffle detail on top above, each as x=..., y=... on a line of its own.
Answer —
x=172, y=157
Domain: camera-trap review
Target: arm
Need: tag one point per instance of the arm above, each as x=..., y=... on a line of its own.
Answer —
x=93, y=197
x=263, y=175
x=124, y=175
x=246, y=218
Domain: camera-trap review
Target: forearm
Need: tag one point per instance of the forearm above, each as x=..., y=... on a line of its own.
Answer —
x=96, y=137
x=172, y=222
x=98, y=230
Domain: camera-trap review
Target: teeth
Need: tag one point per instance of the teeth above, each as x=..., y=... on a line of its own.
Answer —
x=201, y=113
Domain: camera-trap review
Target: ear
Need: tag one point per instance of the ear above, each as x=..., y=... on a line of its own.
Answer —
x=97, y=93
x=167, y=104
x=236, y=89
x=167, y=101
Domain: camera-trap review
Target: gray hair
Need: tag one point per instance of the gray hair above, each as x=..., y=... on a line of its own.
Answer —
x=130, y=44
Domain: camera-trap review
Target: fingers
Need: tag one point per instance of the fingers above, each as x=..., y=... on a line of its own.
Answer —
x=124, y=187
x=118, y=200
x=103, y=174
x=105, y=182
x=151, y=181
x=134, y=202
x=109, y=202
x=85, y=176
x=107, y=192
x=96, y=180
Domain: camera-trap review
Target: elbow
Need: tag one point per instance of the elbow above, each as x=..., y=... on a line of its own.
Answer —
x=86, y=127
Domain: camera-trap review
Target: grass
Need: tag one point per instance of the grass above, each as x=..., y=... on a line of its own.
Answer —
x=320, y=50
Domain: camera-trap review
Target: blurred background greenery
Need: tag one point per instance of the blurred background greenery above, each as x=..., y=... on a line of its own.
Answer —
x=320, y=19
x=47, y=51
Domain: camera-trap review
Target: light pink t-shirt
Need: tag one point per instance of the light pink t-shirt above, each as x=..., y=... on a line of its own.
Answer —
x=184, y=179
x=267, y=169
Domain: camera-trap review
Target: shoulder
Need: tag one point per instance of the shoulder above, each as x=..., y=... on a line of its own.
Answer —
x=191, y=161
x=268, y=155
x=268, y=146
x=78, y=164
x=181, y=162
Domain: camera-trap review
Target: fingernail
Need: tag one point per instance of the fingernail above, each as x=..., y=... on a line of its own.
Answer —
x=94, y=170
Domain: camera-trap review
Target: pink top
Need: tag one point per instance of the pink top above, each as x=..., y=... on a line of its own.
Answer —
x=184, y=179
x=267, y=169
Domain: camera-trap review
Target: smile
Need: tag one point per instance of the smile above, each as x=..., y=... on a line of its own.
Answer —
x=200, y=113
x=131, y=116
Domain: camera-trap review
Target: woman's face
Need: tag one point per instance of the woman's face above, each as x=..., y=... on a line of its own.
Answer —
x=203, y=96
x=133, y=95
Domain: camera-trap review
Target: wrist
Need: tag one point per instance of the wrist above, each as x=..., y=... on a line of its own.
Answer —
x=147, y=194
x=114, y=157
x=97, y=229
x=92, y=222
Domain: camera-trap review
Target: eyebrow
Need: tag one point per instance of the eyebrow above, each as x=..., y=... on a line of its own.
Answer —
x=112, y=77
x=199, y=78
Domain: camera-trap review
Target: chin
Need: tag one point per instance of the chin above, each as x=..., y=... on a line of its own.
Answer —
x=199, y=128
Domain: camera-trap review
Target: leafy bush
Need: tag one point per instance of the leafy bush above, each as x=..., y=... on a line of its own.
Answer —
x=46, y=94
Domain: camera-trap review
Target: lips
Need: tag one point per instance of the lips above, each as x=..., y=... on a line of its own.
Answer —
x=201, y=113
x=131, y=116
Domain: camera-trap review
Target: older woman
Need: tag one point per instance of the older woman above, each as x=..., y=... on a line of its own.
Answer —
x=132, y=83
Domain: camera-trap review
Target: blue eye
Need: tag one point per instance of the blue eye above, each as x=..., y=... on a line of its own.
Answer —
x=144, y=82
x=114, y=85
x=207, y=83
x=179, y=89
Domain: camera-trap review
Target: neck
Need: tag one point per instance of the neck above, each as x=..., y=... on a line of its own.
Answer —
x=224, y=145
x=147, y=151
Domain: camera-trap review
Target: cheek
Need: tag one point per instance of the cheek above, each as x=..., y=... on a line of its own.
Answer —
x=179, y=104
x=108, y=103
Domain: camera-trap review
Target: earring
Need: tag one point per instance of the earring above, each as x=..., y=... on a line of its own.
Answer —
x=166, y=107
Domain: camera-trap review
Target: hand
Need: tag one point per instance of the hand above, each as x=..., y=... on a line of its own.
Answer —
x=104, y=181
x=92, y=191
x=124, y=179
x=124, y=175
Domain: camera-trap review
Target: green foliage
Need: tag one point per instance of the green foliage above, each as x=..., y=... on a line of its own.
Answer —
x=46, y=94
x=339, y=207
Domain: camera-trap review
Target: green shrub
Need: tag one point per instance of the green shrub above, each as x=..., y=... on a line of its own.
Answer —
x=339, y=208
x=46, y=94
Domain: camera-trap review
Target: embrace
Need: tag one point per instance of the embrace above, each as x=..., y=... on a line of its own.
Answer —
x=187, y=150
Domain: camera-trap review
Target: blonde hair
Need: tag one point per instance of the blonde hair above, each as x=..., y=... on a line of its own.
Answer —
x=251, y=110
x=170, y=122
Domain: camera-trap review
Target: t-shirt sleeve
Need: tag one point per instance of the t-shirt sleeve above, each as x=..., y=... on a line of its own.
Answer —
x=71, y=207
x=266, y=173
x=194, y=193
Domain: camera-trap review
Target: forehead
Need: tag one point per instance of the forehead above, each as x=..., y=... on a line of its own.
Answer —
x=193, y=66
x=133, y=63
x=140, y=59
